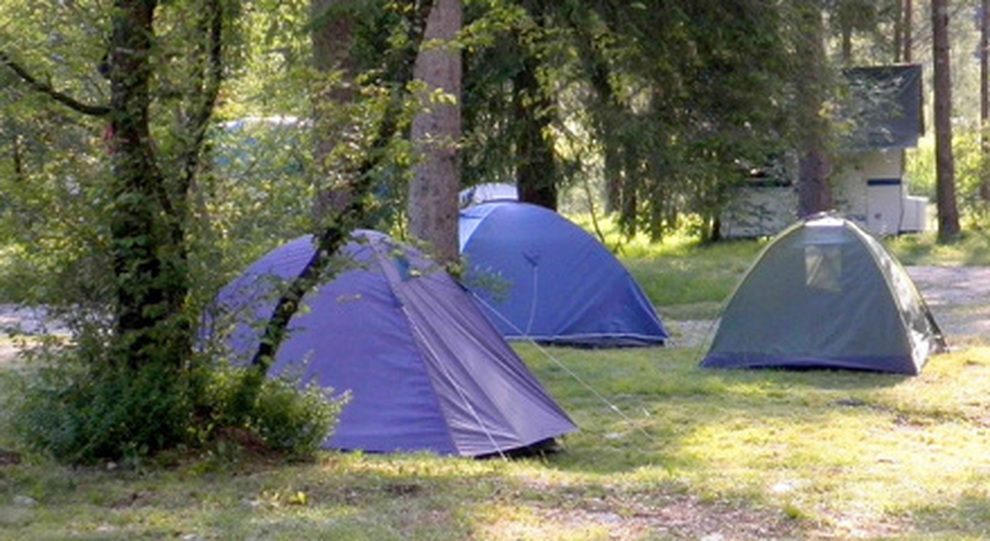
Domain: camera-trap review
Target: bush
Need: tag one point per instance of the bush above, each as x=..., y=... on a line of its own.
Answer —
x=81, y=412
x=292, y=420
x=289, y=417
x=78, y=413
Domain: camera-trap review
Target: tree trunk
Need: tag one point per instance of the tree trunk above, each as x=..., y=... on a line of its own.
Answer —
x=149, y=267
x=336, y=231
x=435, y=133
x=985, y=102
x=536, y=176
x=898, y=31
x=847, y=32
x=908, y=13
x=945, y=183
x=536, y=167
x=331, y=37
x=814, y=167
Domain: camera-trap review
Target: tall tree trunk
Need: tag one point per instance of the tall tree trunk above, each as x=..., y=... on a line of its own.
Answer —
x=148, y=256
x=331, y=37
x=847, y=32
x=814, y=162
x=435, y=131
x=985, y=102
x=898, y=31
x=536, y=176
x=945, y=189
x=908, y=14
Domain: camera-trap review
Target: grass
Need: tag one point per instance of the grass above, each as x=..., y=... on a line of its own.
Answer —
x=684, y=278
x=665, y=451
x=973, y=248
x=690, y=453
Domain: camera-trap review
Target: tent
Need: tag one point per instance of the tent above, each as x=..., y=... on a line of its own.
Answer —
x=489, y=191
x=541, y=277
x=425, y=369
x=825, y=294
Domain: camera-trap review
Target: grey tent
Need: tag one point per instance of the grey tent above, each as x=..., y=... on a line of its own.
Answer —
x=825, y=294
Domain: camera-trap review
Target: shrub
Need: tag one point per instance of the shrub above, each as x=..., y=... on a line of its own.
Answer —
x=80, y=412
x=293, y=420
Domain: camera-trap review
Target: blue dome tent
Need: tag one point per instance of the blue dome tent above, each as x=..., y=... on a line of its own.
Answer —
x=541, y=277
x=425, y=369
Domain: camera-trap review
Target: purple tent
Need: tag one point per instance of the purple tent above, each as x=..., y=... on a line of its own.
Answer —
x=425, y=369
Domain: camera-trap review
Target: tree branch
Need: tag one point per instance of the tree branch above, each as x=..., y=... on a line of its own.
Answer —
x=45, y=88
x=209, y=79
x=336, y=233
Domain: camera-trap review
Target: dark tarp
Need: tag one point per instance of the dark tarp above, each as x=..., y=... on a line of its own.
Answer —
x=884, y=108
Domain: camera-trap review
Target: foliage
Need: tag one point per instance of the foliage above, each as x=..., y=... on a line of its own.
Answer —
x=287, y=415
x=127, y=234
x=80, y=414
x=973, y=248
x=969, y=168
x=659, y=138
x=76, y=412
x=294, y=421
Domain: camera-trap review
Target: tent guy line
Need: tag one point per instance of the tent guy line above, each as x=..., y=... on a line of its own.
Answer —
x=560, y=364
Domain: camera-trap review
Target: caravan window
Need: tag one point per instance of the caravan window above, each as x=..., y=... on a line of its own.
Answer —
x=823, y=267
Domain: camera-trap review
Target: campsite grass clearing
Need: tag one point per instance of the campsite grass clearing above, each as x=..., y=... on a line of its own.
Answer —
x=667, y=451
x=741, y=454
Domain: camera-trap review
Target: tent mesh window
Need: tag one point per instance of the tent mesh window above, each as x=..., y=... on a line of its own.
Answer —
x=823, y=267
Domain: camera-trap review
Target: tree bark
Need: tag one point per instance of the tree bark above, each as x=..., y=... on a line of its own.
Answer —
x=335, y=232
x=945, y=183
x=331, y=38
x=814, y=162
x=147, y=265
x=436, y=129
x=606, y=114
x=898, y=31
x=908, y=13
x=536, y=166
x=985, y=102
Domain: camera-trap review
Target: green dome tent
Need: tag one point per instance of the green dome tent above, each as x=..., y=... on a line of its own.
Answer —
x=825, y=294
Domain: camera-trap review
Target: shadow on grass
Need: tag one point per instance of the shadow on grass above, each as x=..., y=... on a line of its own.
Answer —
x=967, y=517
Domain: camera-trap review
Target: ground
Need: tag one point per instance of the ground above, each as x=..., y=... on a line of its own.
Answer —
x=959, y=297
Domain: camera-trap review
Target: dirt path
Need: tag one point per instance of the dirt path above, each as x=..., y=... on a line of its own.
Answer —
x=959, y=297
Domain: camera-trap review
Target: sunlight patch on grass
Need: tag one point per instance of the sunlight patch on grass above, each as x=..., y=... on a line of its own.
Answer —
x=505, y=522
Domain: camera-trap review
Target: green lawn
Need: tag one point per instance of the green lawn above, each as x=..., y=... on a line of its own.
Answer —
x=684, y=453
x=665, y=451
